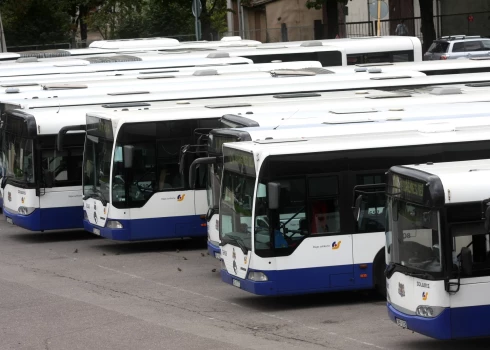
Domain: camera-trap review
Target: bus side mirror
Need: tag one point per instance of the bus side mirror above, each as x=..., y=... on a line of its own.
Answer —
x=466, y=261
x=48, y=179
x=4, y=181
x=128, y=156
x=356, y=210
x=273, y=191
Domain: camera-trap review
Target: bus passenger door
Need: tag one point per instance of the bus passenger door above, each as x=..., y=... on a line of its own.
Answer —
x=334, y=249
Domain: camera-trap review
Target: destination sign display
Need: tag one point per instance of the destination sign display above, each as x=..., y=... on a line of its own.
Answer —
x=408, y=189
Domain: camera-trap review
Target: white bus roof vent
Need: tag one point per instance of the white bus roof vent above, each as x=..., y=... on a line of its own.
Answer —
x=228, y=105
x=291, y=73
x=311, y=43
x=446, y=90
x=354, y=110
x=205, y=72
x=360, y=69
x=127, y=93
x=160, y=71
x=437, y=128
x=126, y=104
x=64, y=86
x=298, y=95
x=113, y=59
x=156, y=77
x=231, y=38
x=379, y=97
x=482, y=84
x=218, y=54
x=392, y=77
x=26, y=60
x=12, y=90
x=375, y=70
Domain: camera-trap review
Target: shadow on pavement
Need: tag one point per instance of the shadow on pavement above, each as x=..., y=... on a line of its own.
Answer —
x=51, y=237
x=271, y=304
x=186, y=244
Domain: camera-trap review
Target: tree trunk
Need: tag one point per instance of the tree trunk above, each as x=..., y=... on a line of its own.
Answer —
x=82, y=14
x=427, y=23
x=332, y=19
x=205, y=19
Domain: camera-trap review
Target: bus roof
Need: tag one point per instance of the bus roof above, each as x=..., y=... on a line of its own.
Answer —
x=282, y=89
x=373, y=136
x=463, y=181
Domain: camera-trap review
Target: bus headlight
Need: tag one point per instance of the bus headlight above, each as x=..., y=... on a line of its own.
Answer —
x=257, y=276
x=25, y=210
x=114, y=224
x=429, y=311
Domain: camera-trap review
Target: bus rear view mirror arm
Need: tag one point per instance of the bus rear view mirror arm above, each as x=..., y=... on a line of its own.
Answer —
x=193, y=167
x=273, y=192
x=63, y=131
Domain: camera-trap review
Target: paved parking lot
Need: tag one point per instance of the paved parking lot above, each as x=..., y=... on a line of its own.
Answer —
x=71, y=290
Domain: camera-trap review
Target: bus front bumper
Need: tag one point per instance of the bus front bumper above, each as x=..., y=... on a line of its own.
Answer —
x=214, y=250
x=435, y=327
x=46, y=219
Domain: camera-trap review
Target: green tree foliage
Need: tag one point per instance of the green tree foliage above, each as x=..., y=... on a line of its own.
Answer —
x=29, y=22
x=48, y=21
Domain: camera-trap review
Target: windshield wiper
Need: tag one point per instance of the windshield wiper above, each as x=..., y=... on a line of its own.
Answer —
x=419, y=275
x=97, y=195
x=237, y=240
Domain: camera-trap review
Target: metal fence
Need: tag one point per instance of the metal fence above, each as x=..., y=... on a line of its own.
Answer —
x=38, y=47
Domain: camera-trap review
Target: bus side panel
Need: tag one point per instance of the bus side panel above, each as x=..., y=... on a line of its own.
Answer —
x=61, y=208
x=470, y=308
x=365, y=247
x=15, y=198
x=166, y=215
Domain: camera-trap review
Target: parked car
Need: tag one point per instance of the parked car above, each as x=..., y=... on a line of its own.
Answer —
x=458, y=46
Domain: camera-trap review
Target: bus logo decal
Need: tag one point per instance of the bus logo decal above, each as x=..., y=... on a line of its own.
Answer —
x=95, y=216
x=401, y=289
x=9, y=196
x=22, y=200
x=425, y=295
x=180, y=197
x=336, y=245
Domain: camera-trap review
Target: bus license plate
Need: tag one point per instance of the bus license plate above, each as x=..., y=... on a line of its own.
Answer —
x=9, y=220
x=236, y=283
x=401, y=323
x=97, y=231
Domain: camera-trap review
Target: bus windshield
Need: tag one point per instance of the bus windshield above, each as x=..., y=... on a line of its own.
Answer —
x=413, y=236
x=97, y=158
x=236, y=199
x=18, y=150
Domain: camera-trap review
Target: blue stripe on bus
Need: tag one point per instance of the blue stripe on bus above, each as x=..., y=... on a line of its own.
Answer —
x=452, y=323
x=212, y=249
x=307, y=280
x=154, y=228
x=44, y=219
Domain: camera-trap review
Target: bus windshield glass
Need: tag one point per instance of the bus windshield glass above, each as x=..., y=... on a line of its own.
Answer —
x=413, y=236
x=19, y=150
x=97, y=158
x=236, y=198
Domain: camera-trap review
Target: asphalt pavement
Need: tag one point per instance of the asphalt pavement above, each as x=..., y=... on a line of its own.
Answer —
x=73, y=290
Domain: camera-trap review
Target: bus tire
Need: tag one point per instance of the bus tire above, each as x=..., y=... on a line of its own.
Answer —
x=379, y=267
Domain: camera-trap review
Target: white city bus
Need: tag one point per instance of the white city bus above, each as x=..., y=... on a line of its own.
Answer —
x=438, y=248
x=142, y=101
x=286, y=210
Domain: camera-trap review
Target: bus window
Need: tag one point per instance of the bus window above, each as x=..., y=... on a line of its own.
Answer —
x=324, y=211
